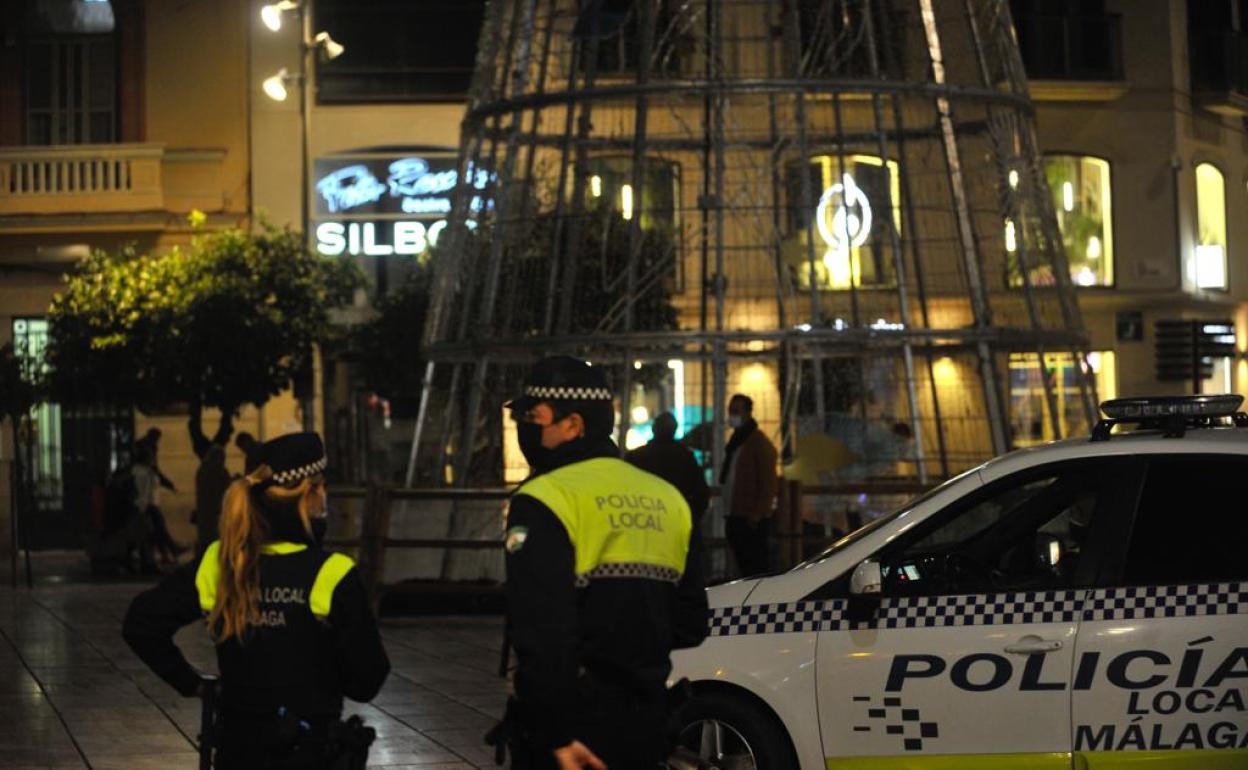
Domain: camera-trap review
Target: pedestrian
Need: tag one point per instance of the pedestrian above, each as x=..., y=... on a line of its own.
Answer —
x=150, y=445
x=604, y=580
x=211, y=481
x=291, y=623
x=748, y=479
x=668, y=459
x=147, y=500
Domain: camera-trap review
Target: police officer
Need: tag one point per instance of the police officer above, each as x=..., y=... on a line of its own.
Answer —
x=604, y=580
x=291, y=623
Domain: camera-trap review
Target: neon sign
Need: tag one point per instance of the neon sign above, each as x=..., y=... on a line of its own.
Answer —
x=350, y=187
x=844, y=220
x=377, y=239
x=413, y=185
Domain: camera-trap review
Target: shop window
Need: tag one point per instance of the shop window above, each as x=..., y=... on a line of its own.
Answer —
x=609, y=188
x=854, y=218
x=1082, y=198
x=1210, y=267
x=413, y=50
x=30, y=340
x=1029, y=411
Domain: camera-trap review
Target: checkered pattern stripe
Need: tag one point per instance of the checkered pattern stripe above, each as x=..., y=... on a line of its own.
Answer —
x=1177, y=601
x=298, y=474
x=629, y=570
x=916, y=612
x=568, y=394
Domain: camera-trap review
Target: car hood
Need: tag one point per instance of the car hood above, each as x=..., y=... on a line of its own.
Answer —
x=731, y=594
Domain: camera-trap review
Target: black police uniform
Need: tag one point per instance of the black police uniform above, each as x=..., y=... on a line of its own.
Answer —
x=593, y=653
x=282, y=687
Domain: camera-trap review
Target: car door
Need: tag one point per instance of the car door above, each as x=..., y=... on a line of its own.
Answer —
x=1161, y=676
x=966, y=652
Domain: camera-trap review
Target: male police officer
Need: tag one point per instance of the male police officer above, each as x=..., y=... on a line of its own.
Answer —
x=604, y=580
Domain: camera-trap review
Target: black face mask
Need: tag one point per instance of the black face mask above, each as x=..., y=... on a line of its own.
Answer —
x=530, y=439
x=319, y=527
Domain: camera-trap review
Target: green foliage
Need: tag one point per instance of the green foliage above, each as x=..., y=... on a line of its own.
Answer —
x=228, y=321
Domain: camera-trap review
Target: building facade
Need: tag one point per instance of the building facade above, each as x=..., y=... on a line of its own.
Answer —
x=118, y=119
x=1141, y=113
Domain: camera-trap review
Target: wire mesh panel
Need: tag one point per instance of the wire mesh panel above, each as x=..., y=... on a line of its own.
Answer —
x=836, y=207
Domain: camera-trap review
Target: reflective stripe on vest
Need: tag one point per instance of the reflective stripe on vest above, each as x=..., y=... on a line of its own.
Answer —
x=320, y=599
x=331, y=574
x=207, y=575
x=622, y=521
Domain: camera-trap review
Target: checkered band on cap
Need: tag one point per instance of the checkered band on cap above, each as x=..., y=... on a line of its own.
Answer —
x=567, y=393
x=293, y=475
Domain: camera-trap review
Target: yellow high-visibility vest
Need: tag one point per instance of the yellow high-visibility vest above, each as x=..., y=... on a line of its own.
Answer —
x=622, y=521
x=320, y=597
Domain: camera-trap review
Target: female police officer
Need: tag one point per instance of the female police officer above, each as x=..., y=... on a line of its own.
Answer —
x=291, y=623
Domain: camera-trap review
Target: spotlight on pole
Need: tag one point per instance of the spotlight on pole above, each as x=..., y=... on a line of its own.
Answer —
x=275, y=85
x=271, y=14
x=330, y=48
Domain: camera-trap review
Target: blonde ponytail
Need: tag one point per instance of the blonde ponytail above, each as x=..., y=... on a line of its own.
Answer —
x=243, y=534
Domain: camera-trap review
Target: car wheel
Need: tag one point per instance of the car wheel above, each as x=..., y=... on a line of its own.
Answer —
x=718, y=731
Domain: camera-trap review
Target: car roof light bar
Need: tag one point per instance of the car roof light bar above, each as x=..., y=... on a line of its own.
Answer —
x=1172, y=414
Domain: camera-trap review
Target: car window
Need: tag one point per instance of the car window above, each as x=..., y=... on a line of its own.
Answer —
x=874, y=524
x=1018, y=535
x=1191, y=525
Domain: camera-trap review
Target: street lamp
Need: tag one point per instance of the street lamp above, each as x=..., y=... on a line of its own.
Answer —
x=275, y=87
x=271, y=14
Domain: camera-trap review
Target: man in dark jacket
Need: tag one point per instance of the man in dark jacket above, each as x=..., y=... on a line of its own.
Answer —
x=604, y=580
x=667, y=459
x=749, y=487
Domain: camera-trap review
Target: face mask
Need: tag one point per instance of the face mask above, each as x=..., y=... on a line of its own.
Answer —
x=530, y=439
x=319, y=527
x=735, y=421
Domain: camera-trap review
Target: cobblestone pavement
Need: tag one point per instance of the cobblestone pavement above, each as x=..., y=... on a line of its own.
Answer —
x=72, y=695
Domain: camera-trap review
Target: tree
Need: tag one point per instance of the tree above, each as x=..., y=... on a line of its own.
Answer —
x=230, y=320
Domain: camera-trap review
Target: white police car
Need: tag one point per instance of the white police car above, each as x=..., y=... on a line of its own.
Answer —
x=1081, y=605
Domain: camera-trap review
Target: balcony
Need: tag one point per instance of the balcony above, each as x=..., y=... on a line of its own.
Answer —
x=1072, y=58
x=81, y=179
x=1219, y=62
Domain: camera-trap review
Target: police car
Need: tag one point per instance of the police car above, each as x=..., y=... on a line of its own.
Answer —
x=1078, y=605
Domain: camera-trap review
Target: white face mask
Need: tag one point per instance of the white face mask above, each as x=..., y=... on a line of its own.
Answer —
x=735, y=421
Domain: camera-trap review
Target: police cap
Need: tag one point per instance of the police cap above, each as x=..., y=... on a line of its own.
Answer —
x=291, y=458
x=569, y=385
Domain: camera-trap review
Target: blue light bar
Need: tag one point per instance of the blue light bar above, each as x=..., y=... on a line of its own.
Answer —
x=1166, y=406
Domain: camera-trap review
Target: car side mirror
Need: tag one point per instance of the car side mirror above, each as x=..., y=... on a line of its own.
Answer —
x=1049, y=551
x=868, y=578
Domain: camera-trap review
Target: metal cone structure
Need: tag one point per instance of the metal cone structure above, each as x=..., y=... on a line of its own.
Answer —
x=837, y=208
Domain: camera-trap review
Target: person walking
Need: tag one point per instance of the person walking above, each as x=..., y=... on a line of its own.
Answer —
x=667, y=459
x=748, y=478
x=604, y=580
x=147, y=481
x=293, y=630
x=212, y=479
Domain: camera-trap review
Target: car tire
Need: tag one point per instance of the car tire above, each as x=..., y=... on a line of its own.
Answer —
x=730, y=731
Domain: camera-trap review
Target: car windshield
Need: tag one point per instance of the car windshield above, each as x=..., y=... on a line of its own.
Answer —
x=875, y=524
